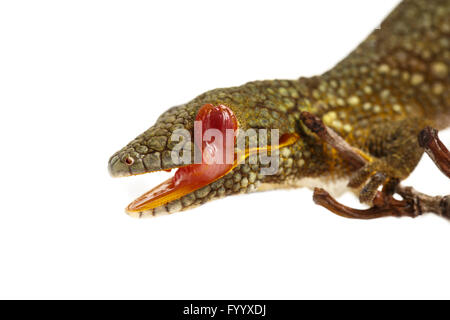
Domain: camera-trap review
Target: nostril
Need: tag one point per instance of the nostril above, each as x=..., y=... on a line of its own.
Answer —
x=129, y=160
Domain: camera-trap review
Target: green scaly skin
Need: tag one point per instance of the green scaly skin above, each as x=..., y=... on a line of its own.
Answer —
x=378, y=98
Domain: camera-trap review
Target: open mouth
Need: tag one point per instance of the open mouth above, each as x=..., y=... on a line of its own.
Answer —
x=215, y=151
x=217, y=159
x=186, y=180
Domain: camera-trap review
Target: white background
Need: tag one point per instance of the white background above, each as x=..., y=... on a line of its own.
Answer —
x=79, y=79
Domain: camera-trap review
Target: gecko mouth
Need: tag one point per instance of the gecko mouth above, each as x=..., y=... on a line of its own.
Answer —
x=187, y=179
x=215, y=148
x=218, y=159
x=190, y=178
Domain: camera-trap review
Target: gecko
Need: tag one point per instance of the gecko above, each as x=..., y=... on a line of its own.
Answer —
x=378, y=99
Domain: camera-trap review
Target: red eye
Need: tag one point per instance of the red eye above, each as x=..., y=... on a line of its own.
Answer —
x=129, y=160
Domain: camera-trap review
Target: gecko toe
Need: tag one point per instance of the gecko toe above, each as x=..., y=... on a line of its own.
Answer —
x=369, y=191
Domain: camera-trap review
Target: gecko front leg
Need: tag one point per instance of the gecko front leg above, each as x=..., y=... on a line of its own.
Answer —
x=413, y=204
x=394, y=154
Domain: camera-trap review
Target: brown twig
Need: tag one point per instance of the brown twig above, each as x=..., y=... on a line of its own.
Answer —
x=429, y=140
x=413, y=204
x=422, y=203
x=383, y=206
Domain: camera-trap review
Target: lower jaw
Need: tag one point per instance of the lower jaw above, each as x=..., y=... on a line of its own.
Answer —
x=186, y=180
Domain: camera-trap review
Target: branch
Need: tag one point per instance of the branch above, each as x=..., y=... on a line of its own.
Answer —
x=413, y=204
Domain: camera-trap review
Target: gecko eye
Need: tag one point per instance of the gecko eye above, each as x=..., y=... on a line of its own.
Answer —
x=129, y=160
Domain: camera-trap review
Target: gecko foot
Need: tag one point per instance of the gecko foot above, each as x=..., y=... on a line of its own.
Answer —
x=377, y=173
x=373, y=174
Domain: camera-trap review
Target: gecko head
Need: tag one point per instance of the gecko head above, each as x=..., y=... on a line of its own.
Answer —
x=216, y=143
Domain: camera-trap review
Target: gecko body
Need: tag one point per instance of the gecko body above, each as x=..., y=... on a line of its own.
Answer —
x=378, y=98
